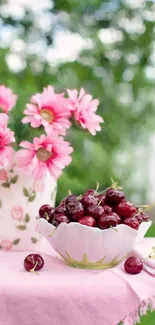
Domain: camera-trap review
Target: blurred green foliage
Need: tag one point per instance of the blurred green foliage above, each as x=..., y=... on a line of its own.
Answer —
x=115, y=67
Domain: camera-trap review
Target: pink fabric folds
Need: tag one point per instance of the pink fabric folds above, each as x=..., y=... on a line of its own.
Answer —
x=62, y=295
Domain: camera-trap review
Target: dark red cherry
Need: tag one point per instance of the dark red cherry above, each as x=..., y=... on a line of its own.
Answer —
x=126, y=209
x=133, y=265
x=59, y=218
x=95, y=211
x=71, y=198
x=111, y=220
x=132, y=223
x=90, y=192
x=46, y=212
x=107, y=209
x=87, y=221
x=75, y=210
x=61, y=209
x=114, y=197
x=89, y=200
x=33, y=262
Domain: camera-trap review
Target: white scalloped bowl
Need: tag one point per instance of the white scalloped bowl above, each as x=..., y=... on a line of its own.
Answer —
x=92, y=248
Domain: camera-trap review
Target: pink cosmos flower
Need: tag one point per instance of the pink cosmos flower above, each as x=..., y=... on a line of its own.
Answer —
x=50, y=110
x=3, y=175
x=7, y=99
x=17, y=213
x=6, y=139
x=47, y=153
x=6, y=244
x=84, y=110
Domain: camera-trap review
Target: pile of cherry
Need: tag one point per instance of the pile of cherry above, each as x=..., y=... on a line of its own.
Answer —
x=93, y=209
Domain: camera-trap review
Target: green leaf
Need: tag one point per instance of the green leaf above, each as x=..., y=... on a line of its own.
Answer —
x=6, y=185
x=27, y=218
x=34, y=240
x=26, y=192
x=14, y=179
x=32, y=197
x=16, y=241
x=21, y=227
x=0, y=204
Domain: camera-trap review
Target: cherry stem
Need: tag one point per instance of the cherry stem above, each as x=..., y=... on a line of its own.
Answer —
x=33, y=270
x=113, y=228
x=96, y=190
x=115, y=185
x=100, y=201
x=143, y=206
x=46, y=216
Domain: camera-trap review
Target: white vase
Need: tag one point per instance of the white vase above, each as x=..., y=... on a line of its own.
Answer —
x=20, y=200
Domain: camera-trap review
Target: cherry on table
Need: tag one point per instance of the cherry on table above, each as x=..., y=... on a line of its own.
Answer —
x=133, y=265
x=33, y=262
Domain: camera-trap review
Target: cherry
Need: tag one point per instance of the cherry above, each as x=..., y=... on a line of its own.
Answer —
x=71, y=198
x=114, y=197
x=89, y=200
x=95, y=211
x=60, y=209
x=46, y=212
x=132, y=223
x=145, y=218
x=59, y=218
x=141, y=216
x=126, y=209
x=75, y=210
x=87, y=221
x=33, y=262
x=107, y=221
x=90, y=192
x=133, y=265
x=107, y=209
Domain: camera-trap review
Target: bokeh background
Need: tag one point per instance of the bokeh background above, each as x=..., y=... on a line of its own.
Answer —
x=107, y=47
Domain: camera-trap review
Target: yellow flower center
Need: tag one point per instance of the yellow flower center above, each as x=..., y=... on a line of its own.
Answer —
x=47, y=115
x=43, y=154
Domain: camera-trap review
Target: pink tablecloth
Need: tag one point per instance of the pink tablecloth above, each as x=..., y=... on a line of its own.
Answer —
x=62, y=295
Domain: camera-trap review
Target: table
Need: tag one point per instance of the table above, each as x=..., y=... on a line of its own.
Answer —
x=62, y=295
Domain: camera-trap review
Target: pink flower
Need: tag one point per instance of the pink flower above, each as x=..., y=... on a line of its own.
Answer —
x=84, y=110
x=6, y=244
x=7, y=99
x=50, y=110
x=6, y=139
x=38, y=186
x=3, y=175
x=17, y=213
x=46, y=154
